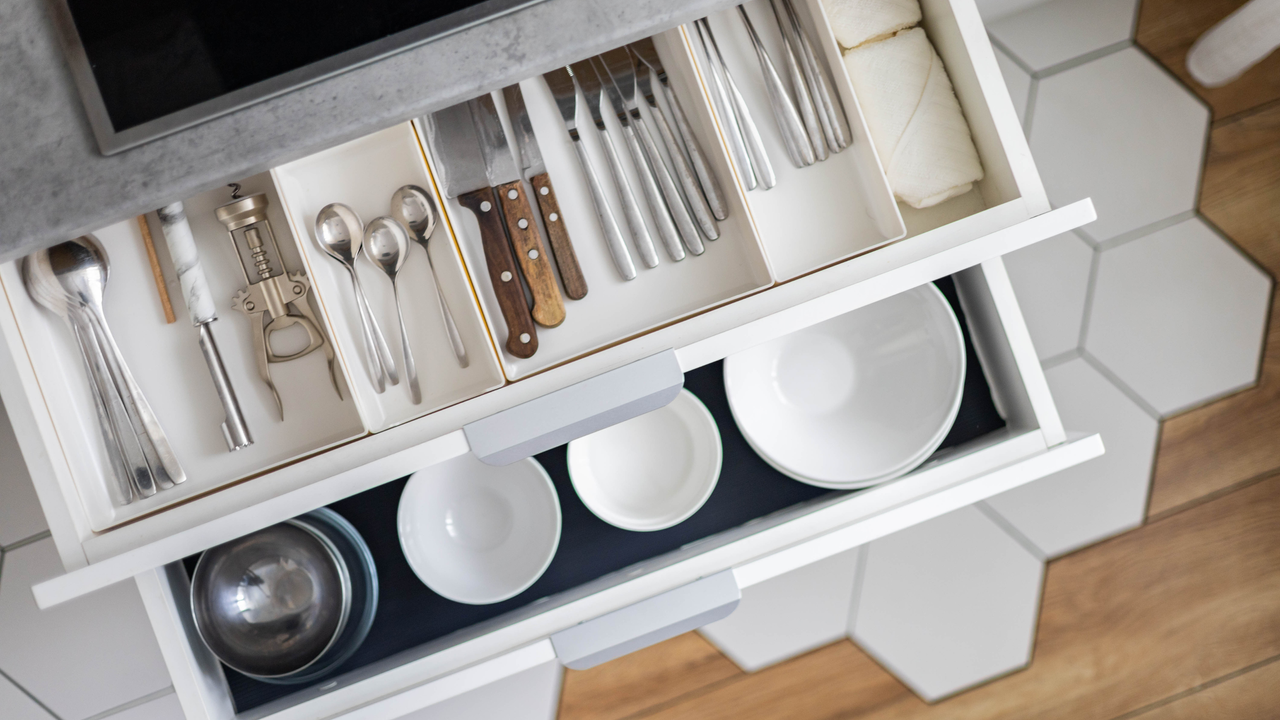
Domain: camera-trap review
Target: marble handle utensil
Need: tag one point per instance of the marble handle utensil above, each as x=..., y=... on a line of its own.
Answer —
x=203, y=312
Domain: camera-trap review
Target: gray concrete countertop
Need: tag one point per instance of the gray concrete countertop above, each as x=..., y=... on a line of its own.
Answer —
x=55, y=184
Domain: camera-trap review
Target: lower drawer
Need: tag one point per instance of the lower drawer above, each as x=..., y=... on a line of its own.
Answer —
x=758, y=524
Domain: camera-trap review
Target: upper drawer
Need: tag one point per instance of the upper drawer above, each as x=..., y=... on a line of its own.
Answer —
x=381, y=442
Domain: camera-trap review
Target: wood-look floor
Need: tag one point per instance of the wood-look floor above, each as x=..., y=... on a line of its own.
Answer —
x=1175, y=620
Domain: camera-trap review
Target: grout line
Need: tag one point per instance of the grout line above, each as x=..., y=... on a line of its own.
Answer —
x=1009, y=529
x=1242, y=114
x=1248, y=258
x=1079, y=60
x=1095, y=265
x=33, y=698
x=1198, y=688
x=28, y=541
x=1149, y=229
x=995, y=41
x=133, y=703
x=1061, y=358
x=1120, y=384
x=1210, y=497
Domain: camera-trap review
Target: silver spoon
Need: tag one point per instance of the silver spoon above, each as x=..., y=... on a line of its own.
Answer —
x=80, y=267
x=416, y=210
x=339, y=233
x=388, y=247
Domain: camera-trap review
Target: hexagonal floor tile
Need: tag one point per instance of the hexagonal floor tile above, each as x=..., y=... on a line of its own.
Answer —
x=83, y=657
x=1179, y=316
x=20, y=513
x=1051, y=281
x=16, y=705
x=788, y=615
x=165, y=707
x=1119, y=129
x=1017, y=80
x=948, y=604
x=1104, y=496
x=1054, y=32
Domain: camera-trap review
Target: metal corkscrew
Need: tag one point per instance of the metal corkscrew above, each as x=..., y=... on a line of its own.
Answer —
x=274, y=300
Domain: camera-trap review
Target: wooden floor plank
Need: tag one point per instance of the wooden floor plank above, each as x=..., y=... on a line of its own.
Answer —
x=1253, y=695
x=1167, y=28
x=1219, y=445
x=643, y=679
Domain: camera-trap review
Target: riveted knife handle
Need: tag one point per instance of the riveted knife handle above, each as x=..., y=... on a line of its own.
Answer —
x=531, y=253
x=575, y=283
x=522, y=336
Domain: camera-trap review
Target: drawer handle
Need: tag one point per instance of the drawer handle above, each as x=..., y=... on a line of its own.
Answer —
x=580, y=409
x=648, y=622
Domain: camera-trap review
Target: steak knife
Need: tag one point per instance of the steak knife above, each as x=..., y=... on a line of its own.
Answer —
x=452, y=136
x=566, y=95
x=531, y=252
x=575, y=285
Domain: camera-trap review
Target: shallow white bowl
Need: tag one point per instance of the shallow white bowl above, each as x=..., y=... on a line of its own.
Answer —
x=858, y=399
x=479, y=534
x=650, y=472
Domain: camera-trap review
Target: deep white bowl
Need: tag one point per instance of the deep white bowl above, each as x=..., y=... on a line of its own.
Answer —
x=858, y=399
x=479, y=534
x=650, y=472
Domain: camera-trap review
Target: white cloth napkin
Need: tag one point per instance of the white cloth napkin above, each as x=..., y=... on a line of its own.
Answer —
x=857, y=21
x=915, y=120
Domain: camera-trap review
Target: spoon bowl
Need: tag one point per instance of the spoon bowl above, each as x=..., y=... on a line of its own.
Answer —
x=416, y=210
x=387, y=245
x=339, y=232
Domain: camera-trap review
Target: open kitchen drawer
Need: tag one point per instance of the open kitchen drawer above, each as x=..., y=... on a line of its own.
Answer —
x=964, y=238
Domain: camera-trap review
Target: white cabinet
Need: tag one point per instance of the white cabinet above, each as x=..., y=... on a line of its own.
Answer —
x=964, y=238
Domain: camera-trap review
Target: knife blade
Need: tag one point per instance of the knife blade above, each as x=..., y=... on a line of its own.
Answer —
x=526, y=240
x=648, y=54
x=575, y=284
x=565, y=93
x=451, y=133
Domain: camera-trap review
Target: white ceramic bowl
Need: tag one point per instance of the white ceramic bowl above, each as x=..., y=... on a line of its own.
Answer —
x=858, y=399
x=479, y=534
x=650, y=472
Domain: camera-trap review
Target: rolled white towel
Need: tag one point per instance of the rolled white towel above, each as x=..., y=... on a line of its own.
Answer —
x=915, y=120
x=857, y=21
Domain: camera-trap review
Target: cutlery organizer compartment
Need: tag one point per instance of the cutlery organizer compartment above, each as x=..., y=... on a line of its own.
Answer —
x=414, y=621
x=614, y=309
x=167, y=363
x=364, y=174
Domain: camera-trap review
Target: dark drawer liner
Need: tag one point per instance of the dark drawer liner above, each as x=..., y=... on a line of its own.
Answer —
x=410, y=615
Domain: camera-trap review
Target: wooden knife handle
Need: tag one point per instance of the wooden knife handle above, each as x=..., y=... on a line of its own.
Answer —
x=522, y=336
x=531, y=253
x=575, y=284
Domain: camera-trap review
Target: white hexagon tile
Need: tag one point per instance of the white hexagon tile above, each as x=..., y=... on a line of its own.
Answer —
x=948, y=604
x=1102, y=497
x=788, y=615
x=1121, y=130
x=17, y=705
x=1179, y=316
x=80, y=659
x=20, y=514
x=1051, y=282
x=1051, y=33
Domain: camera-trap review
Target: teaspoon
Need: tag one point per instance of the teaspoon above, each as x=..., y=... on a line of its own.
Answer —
x=416, y=210
x=387, y=245
x=339, y=233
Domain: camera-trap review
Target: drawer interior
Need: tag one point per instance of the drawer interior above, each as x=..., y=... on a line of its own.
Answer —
x=413, y=621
